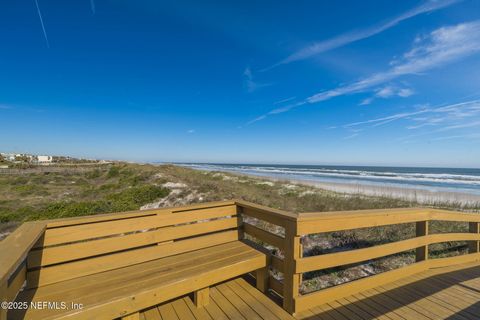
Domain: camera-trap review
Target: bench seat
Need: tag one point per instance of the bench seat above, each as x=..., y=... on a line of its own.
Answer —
x=123, y=291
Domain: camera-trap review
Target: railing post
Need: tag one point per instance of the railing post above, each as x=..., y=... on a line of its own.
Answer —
x=292, y=280
x=241, y=233
x=474, y=246
x=422, y=230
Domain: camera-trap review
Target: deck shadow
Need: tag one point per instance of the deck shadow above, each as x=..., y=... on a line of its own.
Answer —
x=386, y=301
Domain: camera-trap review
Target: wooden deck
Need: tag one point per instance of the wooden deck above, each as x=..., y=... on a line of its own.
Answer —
x=444, y=293
x=235, y=299
x=142, y=264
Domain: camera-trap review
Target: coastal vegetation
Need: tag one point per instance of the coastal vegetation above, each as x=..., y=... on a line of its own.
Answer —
x=57, y=192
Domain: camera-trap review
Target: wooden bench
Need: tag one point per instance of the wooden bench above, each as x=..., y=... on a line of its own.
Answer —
x=114, y=266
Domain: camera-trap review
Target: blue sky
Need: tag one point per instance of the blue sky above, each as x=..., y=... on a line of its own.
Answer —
x=308, y=82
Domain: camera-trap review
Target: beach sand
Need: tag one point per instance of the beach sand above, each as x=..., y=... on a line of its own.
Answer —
x=421, y=196
x=405, y=193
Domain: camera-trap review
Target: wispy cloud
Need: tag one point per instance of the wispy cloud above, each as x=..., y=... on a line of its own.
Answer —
x=284, y=100
x=92, y=6
x=440, y=47
x=388, y=91
x=453, y=117
x=191, y=131
x=41, y=23
x=250, y=84
x=353, y=36
x=5, y=107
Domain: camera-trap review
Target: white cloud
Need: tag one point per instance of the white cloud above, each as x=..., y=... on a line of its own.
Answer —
x=405, y=92
x=349, y=37
x=388, y=91
x=191, y=131
x=249, y=82
x=449, y=117
x=440, y=47
x=366, y=101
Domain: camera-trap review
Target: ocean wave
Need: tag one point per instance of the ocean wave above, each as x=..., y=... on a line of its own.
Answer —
x=404, y=177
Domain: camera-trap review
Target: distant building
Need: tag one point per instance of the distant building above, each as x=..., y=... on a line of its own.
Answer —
x=44, y=159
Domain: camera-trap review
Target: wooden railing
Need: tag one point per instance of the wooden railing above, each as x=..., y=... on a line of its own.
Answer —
x=294, y=265
x=13, y=255
x=280, y=233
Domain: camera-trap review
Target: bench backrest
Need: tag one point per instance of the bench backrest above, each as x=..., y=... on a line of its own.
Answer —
x=83, y=246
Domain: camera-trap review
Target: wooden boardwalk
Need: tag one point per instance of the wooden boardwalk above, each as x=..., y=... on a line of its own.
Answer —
x=188, y=263
x=442, y=293
x=235, y=299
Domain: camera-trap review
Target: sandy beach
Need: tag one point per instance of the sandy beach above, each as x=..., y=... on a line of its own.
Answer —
x=405, y=193
x=421, y=196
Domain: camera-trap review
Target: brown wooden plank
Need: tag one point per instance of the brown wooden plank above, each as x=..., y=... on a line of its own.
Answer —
x=264, y=236
x=85, y=285
x=374, y=309
x=226, y=306
x=292, y=279
x=15, y=247
x=182, y=311
x=275, y=285
x=262, y=305
x=215, y=312
x=16, y=283
x=201, y=297
x=63, y=222
x=167, y=312
x=333, y=293
x=152, y=314
x=199, y=313
x=141, y=294
x=95, y=230
x=327, y=222
x=237, y=302
x=78, y=269
x=59, y=254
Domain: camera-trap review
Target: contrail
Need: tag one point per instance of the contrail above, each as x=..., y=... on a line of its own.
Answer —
x=92, y=5
x=41, y=22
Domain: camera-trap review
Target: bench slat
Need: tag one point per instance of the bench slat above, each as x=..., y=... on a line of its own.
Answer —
x=75, y=251
x=82, y=232
x=87, y=284
x=82, y=268
x=116, y=299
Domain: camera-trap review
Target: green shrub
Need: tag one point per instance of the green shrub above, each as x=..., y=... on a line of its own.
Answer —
x=113, y=172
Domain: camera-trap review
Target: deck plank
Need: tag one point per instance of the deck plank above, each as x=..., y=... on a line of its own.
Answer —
x=451, y=292
x=444, y=293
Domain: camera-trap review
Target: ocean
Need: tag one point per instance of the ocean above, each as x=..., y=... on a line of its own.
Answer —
x=461, y=180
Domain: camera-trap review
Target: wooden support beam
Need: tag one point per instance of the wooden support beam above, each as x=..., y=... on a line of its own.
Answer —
x=422, y=230
x=293, y=252
x=474, y=246
x=261, y=276
x=201, y=297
